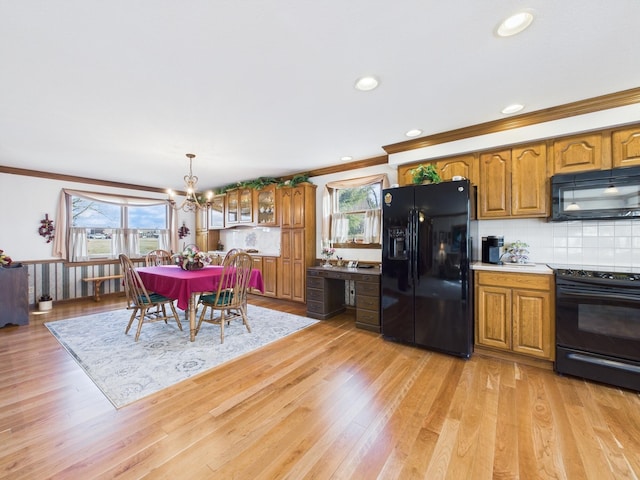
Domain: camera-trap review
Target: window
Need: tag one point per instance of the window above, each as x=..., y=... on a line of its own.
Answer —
x=353, y=212
x=104, y=226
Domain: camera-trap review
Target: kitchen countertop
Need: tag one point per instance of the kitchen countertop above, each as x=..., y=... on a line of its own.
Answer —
x=222, y=253
x=540, y=268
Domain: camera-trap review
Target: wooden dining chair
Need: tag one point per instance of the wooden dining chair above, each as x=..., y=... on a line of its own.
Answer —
x=158, y=257
x=230, y=298
x=148, y=307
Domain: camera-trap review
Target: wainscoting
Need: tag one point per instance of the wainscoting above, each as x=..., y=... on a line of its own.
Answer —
x=64, y=281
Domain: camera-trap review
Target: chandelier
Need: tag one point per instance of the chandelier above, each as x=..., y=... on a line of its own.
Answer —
x=191, y=202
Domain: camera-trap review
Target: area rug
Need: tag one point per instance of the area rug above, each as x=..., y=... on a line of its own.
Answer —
x=126, y=370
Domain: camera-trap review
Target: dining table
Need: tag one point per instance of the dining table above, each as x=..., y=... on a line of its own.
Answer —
x=184, y=286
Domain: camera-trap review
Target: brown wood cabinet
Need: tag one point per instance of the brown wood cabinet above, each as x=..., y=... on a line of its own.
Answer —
x=460, y=165
x=626, y=147
x=216, y=212
x=514, y=313
x=514, y=183
x=297, y=247
x=239, y=207
x=202, y=229
x=266, y=206
x=580, y=153
x=269, y=276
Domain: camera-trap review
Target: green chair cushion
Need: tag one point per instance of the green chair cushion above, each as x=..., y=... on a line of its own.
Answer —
x=225, y=298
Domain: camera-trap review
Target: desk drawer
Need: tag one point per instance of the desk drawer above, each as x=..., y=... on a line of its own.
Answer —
x=315, y=282
x=367, y=302
x=368, y=288
x=315, y=294
x=315, y=307
x=368, y=317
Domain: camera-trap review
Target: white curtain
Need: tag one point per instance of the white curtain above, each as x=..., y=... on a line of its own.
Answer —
x=339, y=228
x=373, y=223
x=372, y=226
x=78, y=244
x=65, y=241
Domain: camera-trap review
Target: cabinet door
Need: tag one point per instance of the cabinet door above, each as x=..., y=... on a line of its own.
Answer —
x=297, y=207
x=494, y=190
x=257, y=265
x=269, y=275
x=285, y=267
x=578, y=154
x=299, y=269
x=233, y=198
x=463, y=165
x=532, y=323
x=216, y=212
x=286, y=206
x=626, y=147
x=529, y=181
x=245, y=206
x=493, y=317
x=266, y=206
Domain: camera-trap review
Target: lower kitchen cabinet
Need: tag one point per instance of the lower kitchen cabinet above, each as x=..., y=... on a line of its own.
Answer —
x=514, y=313
x=269, y=275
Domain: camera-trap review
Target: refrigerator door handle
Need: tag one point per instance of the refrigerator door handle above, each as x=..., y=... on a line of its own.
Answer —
x=414, y=245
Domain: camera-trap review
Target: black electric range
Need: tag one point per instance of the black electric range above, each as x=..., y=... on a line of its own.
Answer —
x=598, y=323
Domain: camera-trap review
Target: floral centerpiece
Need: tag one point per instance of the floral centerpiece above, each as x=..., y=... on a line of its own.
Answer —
x=191, y=258
x=5, y=260
x=327, y=253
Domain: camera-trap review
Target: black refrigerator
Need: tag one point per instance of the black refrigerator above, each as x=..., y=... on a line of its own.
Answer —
x=427, y=291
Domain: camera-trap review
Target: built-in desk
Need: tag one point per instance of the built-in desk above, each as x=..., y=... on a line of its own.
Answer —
x=325, y=294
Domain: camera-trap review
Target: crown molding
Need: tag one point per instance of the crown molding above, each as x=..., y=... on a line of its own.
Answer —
x=596, y=104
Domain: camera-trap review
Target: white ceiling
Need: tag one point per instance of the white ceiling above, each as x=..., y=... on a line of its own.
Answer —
x=121, y=90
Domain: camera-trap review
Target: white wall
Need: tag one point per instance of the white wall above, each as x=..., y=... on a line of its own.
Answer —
x=26, y=200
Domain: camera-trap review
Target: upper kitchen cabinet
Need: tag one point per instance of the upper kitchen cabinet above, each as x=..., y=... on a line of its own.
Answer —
x=580, y=153
x=239, y=208
x=266, y=206
x=295, y=202
x=460, y=165
x=202, y=231
x=626, y=147
x=216, y=212
x=514, y=183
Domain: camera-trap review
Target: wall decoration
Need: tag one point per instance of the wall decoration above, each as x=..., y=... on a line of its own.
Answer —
x=183, y=231
x=46, y=228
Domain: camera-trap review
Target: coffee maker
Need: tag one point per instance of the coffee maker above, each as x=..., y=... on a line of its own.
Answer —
x=492, y=249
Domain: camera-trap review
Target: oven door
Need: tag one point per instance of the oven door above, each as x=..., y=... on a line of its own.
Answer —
x=598, y=330
x=599, y=317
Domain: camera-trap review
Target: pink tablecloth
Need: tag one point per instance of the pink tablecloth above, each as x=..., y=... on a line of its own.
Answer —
x=173, y=282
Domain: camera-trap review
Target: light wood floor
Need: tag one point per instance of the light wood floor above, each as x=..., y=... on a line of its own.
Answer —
x=330, y=401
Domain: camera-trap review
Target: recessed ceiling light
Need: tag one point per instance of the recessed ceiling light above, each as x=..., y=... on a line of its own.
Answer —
x=367, y=83
x=413, y=133
x=516, y=107
x=515, y=24
x=346, y=158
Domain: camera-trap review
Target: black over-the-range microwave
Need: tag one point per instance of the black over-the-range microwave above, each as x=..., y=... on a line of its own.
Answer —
x=596, y=195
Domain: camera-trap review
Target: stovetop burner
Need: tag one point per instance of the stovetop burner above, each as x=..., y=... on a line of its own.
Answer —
x=597, y=272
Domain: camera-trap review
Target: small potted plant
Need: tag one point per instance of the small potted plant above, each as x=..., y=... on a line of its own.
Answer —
x=425, y=174
x=45, y=302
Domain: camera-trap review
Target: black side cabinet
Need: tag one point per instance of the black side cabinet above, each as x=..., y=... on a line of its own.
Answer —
x=14, y=296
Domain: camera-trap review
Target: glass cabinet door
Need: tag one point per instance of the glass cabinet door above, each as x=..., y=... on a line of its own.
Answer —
x=216, y=212
x=266, y=205
x=232, y=207
x=246, y=206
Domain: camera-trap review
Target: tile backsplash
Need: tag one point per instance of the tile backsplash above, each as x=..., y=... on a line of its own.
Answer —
x=264, y=239
x=593, y=242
